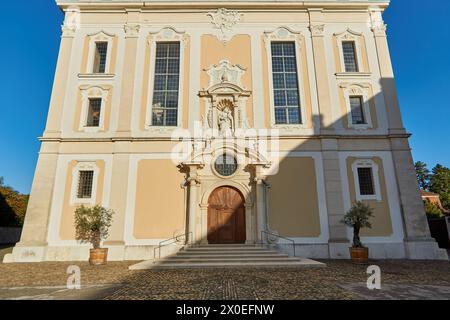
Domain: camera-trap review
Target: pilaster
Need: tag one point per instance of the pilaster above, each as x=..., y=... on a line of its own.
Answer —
x=132, y=30
x=118, y=199
x=338, y=243
x=33, y=243
x=317, y=28
x=387, y=81
x=54, y=120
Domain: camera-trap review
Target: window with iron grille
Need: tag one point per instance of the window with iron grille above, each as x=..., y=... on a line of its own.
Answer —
x=101, y=51
x=285, y=83
x=167, y=82
x=95, y=108
x=226, y=165
x=349, y=51
x=85, y=183
x=356, y=107
x=366, y=183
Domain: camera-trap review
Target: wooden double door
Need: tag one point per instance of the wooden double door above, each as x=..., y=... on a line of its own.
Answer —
x=226, y=217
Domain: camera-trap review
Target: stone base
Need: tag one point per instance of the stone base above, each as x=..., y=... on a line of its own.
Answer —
x=414, y=250
x=386, y=251
x=26, y=254
x=425, y=250
x=339, y=250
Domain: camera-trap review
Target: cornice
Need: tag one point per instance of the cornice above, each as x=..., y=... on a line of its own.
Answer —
x=208, y=5
x=170, y=139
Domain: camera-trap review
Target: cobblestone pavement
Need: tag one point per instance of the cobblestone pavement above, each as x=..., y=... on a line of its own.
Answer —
x=339, y=280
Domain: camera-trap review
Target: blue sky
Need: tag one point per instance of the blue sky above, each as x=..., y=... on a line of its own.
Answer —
x=419, y=37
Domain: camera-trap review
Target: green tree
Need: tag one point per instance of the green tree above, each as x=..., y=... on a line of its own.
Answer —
x=92, y=224
x=358, y=218
x=440, y=184
x=13, y=206
x=432, y=210
x=423, y=175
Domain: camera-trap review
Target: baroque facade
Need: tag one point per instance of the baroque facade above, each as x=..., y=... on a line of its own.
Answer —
x=220, y=120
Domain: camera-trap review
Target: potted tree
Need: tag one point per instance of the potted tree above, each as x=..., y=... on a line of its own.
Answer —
x=92, y=226
x=357, y=218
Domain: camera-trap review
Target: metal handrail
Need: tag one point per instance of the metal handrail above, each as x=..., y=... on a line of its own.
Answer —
x=171, y=240
x=278, y=236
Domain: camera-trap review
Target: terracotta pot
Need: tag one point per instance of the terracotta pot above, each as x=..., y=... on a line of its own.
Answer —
x=98, y=257
x=359, y=255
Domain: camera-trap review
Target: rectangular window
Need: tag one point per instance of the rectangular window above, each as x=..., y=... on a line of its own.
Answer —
x=366, y=183
x=356, y=106
x=351, y=64
x=285, y=83
x=95, y=108
x=85, y=183
x=101, y=51
x=167, y=82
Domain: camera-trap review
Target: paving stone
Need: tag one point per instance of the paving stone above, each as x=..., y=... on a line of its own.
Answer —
x=340, y=280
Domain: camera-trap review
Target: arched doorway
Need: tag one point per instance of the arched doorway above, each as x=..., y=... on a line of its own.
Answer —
x=226, y=216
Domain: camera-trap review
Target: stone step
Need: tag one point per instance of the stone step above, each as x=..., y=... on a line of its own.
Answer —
x=224, y=256
x=227, y=259
x=231, y=255
x=300, y=263
x=222, y=249
x=227, y=252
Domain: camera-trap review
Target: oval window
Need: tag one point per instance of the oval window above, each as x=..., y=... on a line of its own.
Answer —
x=226, y=165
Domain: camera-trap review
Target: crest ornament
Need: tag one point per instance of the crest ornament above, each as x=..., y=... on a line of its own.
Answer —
x=224, y=20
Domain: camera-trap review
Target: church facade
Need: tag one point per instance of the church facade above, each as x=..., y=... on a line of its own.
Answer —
x=222, y=121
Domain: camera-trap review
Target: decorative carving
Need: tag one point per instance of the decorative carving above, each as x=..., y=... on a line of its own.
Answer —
x=317, y=30
x=225, y=72
x=68, y=31
x=132, y=30
x=224, y=20
x=282, y=34
x=226, y=122
x=380, y=30
x=376, y=23
x=225, y=111
x=72, y=22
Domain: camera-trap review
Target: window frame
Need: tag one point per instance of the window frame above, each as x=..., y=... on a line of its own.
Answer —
x=367, y=163
x=165, y=35
x=284, y=34
x=286, y=107
x=96, y=52
x=362, y=90
x=84, y=166
x=93, y=92
x=347, y=36
x=166, y=75
x=88, y=115
x=356, y=56
x=361, y=109
x=94, y=39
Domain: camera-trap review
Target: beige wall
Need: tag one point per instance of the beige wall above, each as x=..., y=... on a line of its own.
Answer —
x=381, y=223
x=293, y=199
x=67, y=228
x=159, y=200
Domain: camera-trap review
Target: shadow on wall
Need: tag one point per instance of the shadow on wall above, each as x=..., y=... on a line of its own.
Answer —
x=299, y=216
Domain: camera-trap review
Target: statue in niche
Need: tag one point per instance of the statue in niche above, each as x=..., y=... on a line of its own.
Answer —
x=226, y=122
